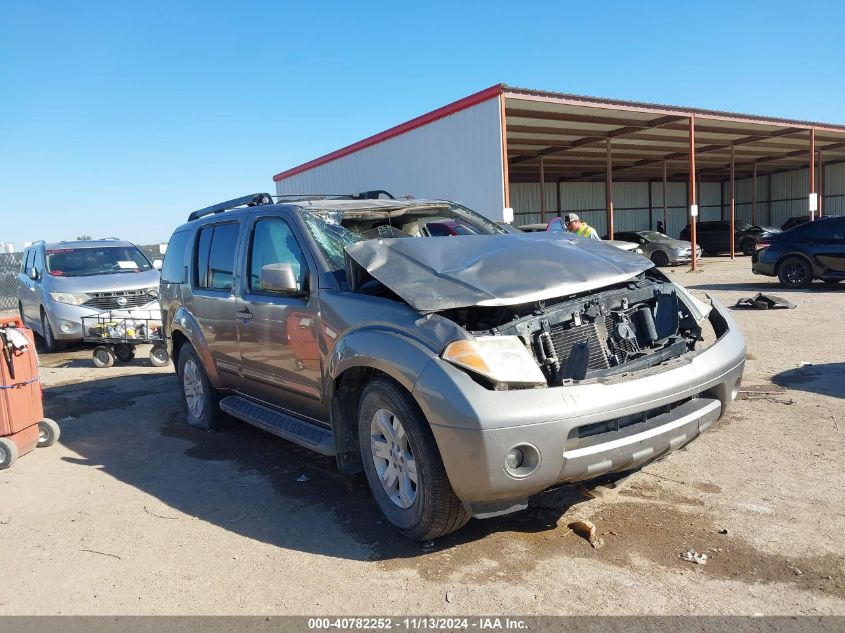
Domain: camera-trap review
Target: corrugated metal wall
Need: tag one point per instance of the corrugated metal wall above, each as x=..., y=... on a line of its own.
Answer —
x=630, y=205
x=457, y=158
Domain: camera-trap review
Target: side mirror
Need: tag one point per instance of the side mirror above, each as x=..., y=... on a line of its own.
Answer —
x=157, y=263
x=279, y=278
x=33, y=273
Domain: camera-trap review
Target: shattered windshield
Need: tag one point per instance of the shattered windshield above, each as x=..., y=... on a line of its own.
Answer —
x=334, y=230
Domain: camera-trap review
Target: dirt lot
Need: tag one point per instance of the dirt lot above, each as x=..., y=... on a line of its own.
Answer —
x=135, y=513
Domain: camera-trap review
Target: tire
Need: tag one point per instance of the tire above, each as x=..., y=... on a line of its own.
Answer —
x=201, y=399
x=103, y=356
x=159, y=356
x=124, y=352
x=8, y=453
x=395, y=438
x=48, y=432
x=50, y=343
x=747, y=247
x=795, y=272
x=660, y=259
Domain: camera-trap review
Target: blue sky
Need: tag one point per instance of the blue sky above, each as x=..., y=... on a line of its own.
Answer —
x=119, y=118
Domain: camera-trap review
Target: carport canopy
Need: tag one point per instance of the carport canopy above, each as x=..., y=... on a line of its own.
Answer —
x=556, y=137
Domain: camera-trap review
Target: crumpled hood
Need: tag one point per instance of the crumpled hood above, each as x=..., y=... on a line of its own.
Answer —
x=433, y=274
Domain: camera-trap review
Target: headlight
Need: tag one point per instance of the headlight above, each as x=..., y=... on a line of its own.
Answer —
x=503, y=359
x=152, y=292
x=73, y=298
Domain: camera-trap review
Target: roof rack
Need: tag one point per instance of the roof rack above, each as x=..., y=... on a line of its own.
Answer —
x=253, y=200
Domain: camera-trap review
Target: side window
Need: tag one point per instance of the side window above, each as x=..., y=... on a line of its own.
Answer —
x=832, y=230
x=437, y=230
x=173, y=268
x=273, y=242
x=38, y=261
x=215, y=259
x=26, y=263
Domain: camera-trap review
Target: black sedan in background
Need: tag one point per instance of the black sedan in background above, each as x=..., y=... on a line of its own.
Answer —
x=814, y=250
x=715, y=237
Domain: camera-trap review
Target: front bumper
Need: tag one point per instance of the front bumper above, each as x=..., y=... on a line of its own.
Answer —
x=66, y=319
x=579, y=431
x=760, y=267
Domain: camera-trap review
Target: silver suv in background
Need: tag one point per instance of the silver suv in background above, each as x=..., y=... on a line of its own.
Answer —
x=61, y=282
x=461, y=374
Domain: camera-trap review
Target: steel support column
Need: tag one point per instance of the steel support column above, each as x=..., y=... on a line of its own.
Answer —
x=821, y=185
x=505, y=175
x=665, y=203
x=754, y=194
x=812, y=166
x=733, y=202
x=609, y=191
x=650, y=208
x=557, y=196
x=542, y=190
x=692, y=197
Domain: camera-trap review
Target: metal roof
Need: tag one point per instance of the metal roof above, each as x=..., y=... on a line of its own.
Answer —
x=570, y=133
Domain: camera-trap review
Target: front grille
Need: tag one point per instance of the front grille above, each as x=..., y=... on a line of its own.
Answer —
x=109, y=300
x=563, y=340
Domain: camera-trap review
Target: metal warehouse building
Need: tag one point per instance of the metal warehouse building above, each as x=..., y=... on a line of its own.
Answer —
x=621, y=165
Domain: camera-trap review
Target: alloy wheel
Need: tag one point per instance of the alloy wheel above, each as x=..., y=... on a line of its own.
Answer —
x=393, y=458
x=193, y=387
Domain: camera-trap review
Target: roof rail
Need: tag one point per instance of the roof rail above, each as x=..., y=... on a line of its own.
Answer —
x=253, y=200
x=109, y=239
x=364, y=195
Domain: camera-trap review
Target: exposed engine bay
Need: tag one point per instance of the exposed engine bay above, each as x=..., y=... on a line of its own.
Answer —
x=628, y=327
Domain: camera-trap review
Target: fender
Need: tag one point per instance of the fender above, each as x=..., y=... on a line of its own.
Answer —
x=184, y=323
x=400, y=356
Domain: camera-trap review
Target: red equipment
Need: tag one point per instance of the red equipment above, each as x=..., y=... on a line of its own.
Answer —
x=23, y=426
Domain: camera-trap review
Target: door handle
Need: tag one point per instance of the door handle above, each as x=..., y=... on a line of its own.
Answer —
x=245, y=314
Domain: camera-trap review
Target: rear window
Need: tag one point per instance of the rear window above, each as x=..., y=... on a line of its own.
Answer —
x=106, y=260
x=173, y=268
x=215, y=261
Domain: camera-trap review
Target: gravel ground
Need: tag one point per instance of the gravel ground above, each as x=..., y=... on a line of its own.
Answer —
x=135, y=513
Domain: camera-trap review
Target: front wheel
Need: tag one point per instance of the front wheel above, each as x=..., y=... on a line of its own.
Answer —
x=795, y=272
x=8, y=453
x=660, y=259
x=747, y=247
x=403, y=466
x=159, y=356
x=103, y=356
x=50, y=343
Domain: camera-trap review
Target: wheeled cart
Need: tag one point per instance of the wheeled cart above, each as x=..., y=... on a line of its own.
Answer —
x=23, y=426
x=116, y=337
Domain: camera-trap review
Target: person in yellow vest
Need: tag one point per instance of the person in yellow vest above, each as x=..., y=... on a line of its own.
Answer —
x=574, y=225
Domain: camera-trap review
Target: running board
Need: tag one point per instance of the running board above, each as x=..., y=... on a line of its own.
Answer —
x=285, y=426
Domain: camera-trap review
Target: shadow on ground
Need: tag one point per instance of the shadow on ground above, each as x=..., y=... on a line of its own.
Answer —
x=132, y=428
x=827, y=379
x=770, y=287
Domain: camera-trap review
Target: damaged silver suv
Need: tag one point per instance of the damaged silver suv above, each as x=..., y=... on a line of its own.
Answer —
x=461, y=374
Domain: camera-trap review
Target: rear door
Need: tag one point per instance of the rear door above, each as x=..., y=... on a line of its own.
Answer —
x=827, y=244
x=279, y=333
x=214, y=302
x=27, y=288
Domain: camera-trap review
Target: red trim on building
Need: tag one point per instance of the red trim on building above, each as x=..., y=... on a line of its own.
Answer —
x=425, y=119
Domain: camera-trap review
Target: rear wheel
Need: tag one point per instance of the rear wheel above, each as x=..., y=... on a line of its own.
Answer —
x=403, y=466
x=202, y=400
x=8, y=453
x=660, y=258
x=103, y=356
x=795, y=272
x=48, y=432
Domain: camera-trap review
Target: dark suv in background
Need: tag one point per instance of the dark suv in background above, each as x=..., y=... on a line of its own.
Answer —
x=462, y=375
x=813, y=250
x=715, y=236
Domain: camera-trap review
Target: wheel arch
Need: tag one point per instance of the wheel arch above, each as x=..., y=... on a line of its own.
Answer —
x=357, y=359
